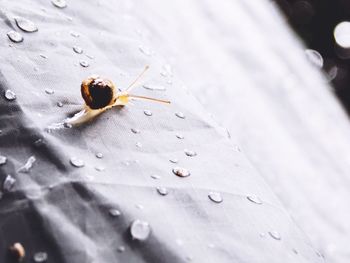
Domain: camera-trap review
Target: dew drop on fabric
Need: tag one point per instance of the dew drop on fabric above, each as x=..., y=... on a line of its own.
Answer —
x=84, y=63
x=99, y=155
x=140, y=230
x=254, y=199
x=40, y=257
x=114, y=212
x=180, y=115
x=190, y=153
x=76, y=162
x=275, y=235
x=135, y=131
x=49, y=91
x=162, y=190
x=26, y=25
x=147, y=112
x=59, y=3
x=181, y=172
x=78, y=50
x=215, y=197
x=15, y=36
x=10, y=95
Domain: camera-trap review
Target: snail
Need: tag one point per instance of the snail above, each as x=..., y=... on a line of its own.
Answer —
x=100, y=95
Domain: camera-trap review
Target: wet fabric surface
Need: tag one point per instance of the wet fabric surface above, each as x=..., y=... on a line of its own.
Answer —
x=282, y=110
x=65, y=210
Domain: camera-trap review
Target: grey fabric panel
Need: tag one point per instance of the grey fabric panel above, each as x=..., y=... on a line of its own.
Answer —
x=282, y=111
x=64, y=210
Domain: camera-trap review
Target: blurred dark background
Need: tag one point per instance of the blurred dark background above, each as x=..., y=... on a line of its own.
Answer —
x=315, y=22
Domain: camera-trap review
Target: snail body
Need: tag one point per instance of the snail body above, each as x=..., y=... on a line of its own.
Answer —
x=100, y=95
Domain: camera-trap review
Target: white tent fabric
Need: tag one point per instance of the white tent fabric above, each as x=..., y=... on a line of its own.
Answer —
x=242, y=62
x=250, y=71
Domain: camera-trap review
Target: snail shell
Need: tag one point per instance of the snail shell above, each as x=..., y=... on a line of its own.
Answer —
x=98, y=93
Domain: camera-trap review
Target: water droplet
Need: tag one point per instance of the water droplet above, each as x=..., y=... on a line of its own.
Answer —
x=140, y=230
x=181, y=172
x=145, y=50
x=59, y=3
x=28, y=165
x=10, y=95
x=74, y=34
x=8, y=183
x=190, y=153
x=174, y=160
x=275, y=235
x=154, y=87
x=40, y=257
x=147, y=112
x=99, y=155
x=43, y=56
x=180, y=136
x=215, y=197
x=254, y=199
x=138, y=145
x=3, y=159
x=15, y=36
x=49, y=91
x=180, y=115
x=114, y=212
x=77, y=162
x=155, y=176
x=121, y=249
x=84, y=63
x=342, y=34
x=162, y=190
x=314, y=57
x=78, y=49
x=60, y=104
x=26, y=25
x=136, y=131
x=100, y=168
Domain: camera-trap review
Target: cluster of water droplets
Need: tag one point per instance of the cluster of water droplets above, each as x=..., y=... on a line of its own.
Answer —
x=139, y=229
x=24, y=25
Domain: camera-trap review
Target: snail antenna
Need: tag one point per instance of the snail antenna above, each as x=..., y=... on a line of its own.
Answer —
x=138, y=77
x=148, y=98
